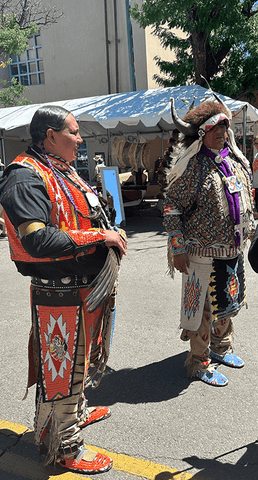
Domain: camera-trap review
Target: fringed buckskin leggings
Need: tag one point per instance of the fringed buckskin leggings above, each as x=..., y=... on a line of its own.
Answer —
x=56, y=422
x=202, y=340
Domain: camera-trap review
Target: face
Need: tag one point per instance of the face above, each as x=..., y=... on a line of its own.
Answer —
x=216, y=137
x=65, y=143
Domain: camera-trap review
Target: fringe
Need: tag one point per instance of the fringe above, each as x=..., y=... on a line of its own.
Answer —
x=103, y=285
x=101, y=362
x=191, y=366
x=26, y=394
x=54, y=441
x=170, y=258
x=194, y=365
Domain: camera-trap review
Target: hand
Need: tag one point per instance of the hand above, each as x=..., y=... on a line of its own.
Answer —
x=113, y=239
x=181, y=262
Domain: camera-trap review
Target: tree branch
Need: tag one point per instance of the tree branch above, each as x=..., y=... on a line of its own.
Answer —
x=248, y=11
x=29, y=11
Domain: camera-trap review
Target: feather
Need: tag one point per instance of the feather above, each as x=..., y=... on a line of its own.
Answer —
x=103, y=285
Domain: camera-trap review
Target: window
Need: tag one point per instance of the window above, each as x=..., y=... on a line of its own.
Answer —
x=28, y=67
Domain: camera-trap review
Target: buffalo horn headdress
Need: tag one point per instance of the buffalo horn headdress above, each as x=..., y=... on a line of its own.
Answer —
x=193, y=130
x=183, y=127
x=189, y=129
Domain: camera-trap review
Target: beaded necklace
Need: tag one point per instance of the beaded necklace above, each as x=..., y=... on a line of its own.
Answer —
x=58, y=178
x=63, y=185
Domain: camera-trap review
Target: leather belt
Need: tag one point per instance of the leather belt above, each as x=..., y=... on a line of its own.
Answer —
x=65, y=283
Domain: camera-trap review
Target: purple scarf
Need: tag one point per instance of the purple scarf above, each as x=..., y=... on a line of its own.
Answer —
x=232, y=198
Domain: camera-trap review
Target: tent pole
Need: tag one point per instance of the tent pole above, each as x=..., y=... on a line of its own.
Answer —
x=109, y=150
x=244, y=129
x=3, y=149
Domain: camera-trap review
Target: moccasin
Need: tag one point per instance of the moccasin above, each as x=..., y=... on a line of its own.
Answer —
x=230, y=359
x=95, y=414
x=212, y=378
x=87, y=461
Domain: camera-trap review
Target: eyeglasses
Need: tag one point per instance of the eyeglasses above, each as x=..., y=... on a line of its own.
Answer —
x=224, y=122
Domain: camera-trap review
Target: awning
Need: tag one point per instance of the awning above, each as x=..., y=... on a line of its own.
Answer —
x=145, y=112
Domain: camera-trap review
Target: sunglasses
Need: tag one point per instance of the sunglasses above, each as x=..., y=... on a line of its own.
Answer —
x=224, y=122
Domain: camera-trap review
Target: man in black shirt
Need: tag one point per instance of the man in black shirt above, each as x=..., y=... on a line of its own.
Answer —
x=60, y=235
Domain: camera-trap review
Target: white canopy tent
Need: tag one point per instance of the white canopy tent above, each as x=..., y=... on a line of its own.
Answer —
x=143, y=113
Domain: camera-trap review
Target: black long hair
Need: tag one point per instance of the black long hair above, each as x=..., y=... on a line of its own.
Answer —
x=48, y=116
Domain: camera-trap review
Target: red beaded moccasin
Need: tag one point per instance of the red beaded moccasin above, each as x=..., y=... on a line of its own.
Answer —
x=87, y=461
x=95, y=414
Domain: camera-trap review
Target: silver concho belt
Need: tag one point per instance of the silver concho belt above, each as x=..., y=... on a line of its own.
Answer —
x=65, y=283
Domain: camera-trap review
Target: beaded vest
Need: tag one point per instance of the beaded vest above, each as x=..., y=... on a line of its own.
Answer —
x=63, y=214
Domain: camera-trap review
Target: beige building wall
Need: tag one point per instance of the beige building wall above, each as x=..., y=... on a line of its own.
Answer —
x=153, y=48
x=75, y=62
x=74, y=52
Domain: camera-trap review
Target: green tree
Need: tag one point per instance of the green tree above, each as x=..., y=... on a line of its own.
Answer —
x=13, y=41
x=18, y=20
x=220, y=42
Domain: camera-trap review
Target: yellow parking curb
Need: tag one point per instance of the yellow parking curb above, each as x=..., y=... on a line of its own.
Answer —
x=124, y=463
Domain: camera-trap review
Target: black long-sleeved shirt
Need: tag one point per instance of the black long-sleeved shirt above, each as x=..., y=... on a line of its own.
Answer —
x=25, y=198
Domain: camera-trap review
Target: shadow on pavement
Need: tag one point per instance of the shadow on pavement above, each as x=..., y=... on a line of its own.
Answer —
x=20, y=456
x=155, y=382
x=212, y=469
x=245, y=468
x=146, y=221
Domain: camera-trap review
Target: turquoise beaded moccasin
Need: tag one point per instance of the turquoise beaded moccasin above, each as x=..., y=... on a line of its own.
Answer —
x=212, y=378
x=230, y=359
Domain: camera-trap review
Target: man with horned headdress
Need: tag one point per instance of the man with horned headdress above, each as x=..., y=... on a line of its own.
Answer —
x=208, y=214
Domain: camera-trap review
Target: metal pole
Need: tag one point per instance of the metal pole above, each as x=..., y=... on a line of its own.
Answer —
x=3, y=149
x=130, y=47
x=109, y=162
x=107, y=48
x=244, y=129
x=116, y=46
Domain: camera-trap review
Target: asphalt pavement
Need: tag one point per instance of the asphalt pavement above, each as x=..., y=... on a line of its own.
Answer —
x=160, y=418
